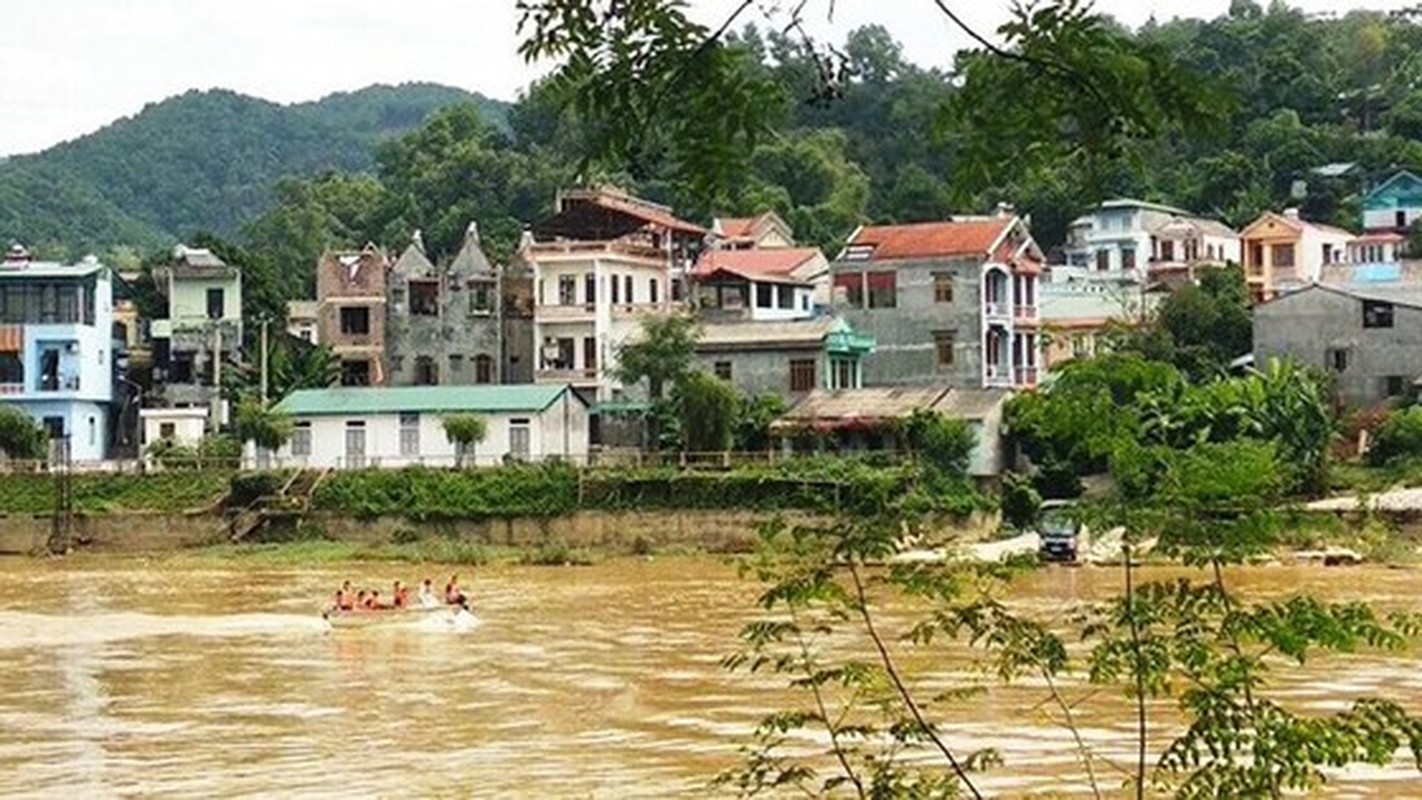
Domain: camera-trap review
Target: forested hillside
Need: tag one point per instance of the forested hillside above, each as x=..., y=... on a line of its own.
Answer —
x=201, y=161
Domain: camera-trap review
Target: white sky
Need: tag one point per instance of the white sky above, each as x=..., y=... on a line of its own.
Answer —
x=69, y=67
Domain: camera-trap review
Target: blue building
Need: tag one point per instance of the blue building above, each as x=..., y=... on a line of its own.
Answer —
x=1394, y=204
x=57, y=349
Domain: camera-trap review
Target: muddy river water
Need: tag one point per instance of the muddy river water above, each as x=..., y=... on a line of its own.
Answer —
x=130, y=678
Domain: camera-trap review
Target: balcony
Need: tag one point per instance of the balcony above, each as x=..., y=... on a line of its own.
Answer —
x=578, y=376
x=1024, y=313
x=558, y=312
x=996, y=311
x=635, y=311
x=576, y=249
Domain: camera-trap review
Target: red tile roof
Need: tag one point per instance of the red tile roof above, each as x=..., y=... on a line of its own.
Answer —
x=971, y=237
x=779, y=261
x=645, y=212
x=736, y=227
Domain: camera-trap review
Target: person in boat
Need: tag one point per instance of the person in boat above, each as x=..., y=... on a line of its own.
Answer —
x=345, y=597
x=427, y=595
x=400, y=596
x=374, y=603
x=362, y=601
x=452, y=594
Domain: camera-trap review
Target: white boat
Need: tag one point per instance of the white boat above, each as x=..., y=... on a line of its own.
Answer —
x=364, y=617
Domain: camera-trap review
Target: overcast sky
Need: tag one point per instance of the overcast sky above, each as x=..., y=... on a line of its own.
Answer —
x=69, y=67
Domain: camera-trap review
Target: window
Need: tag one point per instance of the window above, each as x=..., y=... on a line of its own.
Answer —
x=853, y=285
x=943, y=347
x=397, y=363
x=883, y=289
x=1103, y=260
x=426, y=372
x=1328, y=254
x=1337, y=358
x=1167, y=250
x=355, y=373
x=93, y=432
x=12, y=369
x=616, y=286
x=785, y=296
x=1393, y=386
x=409, y=434
x=355, y=444
x=563, y=353
x=627, y=288
x=355, y=320
x=589, y=289
x=456, y=363
x=1399, y=219
x=214, y=304
x=481, y=297
x=53, y=427
x=301, y=439
x=1377, y=314
x=49, y=370
x=1282, y=255
x=653, y=291
x=397, y=296
x=764, y=295
x=942, y=287
x=567, y=290
x=843, y=374
x=180, y=367
x=483, y=369
x=802, y=375
x=1128, y=258
x=167, y=430
x=722, y=370
x=678, y=290
x=424, y=298
x=589, y=353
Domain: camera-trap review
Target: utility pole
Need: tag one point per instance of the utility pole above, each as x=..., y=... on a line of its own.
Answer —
x=216, y=375
x=264, y=362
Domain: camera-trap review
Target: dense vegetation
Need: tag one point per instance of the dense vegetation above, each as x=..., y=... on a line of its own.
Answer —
x=28, y=493
x=202, y=161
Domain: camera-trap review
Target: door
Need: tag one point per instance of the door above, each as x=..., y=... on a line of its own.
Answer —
x=355, y=445
x=519, y=439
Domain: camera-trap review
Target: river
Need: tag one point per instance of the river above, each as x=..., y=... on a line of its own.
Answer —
x=200, y=679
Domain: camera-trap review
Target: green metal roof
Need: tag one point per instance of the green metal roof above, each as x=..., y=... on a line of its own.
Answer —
x=354, y=400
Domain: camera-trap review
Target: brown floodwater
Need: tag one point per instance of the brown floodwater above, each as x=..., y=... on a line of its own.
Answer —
x=195, y=679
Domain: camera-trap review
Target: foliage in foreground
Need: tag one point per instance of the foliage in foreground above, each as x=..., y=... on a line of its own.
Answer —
x=851, y=638
x=22, y=493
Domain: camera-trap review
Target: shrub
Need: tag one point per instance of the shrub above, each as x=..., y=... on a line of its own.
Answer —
x=249, y=486
x=1398, y=438
x=1020, y=502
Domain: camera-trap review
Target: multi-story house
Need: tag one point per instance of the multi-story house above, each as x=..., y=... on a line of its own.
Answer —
x=1078, y=316
x=1284, y=253
x=302, y=320
x=57, y=347
x=599, y=265
x=1394, y=204
x=947, y=302
x=1369, y=338
x=761, y=232
x=444, y=326
x=350, y=310
x=1133, y=241
x=201, y=332
x=765, y=326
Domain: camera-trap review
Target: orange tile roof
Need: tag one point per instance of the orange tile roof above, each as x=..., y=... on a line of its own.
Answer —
x=646, y=212
x=736, y=227
x=779, y=261
x=971, y=237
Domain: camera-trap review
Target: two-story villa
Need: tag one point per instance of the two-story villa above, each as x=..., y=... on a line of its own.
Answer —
x=951, y=302
x=444, y=326
x=202, y=331
x=599, y=265
x=761, y=232
x=57, y=347
x=1284, y=252
x=1133, y=241
x=350, y=311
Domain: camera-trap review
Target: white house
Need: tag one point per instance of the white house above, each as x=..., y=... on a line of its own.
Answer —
x=1132, y=240
x=184, y=426
x=355, y=427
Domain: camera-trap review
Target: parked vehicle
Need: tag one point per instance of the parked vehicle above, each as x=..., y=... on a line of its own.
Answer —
x=1060, y=534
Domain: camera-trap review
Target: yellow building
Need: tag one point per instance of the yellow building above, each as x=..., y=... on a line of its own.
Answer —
x=1283, y=253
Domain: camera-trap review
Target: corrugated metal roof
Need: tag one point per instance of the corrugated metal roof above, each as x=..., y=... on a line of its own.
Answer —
x=357, y=400
x=724, y=334
x=877, y=404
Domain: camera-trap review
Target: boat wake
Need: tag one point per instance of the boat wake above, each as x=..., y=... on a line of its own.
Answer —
x=20, y=629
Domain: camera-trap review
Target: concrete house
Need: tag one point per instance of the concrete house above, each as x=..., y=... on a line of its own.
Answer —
x=57, y=348
x=302, y=320
x=443, y=326
x=1128, y=240
x=865, y=420
x=760, y=285
x=762, y=232
x=1284, y=253
x=201, y=332
x=787, y=358
x=600, y=265
x=946, y=302
x=1394, y=204
x=1077, y=315
x=1368, y=338
x=350, y=312
x=357, y=427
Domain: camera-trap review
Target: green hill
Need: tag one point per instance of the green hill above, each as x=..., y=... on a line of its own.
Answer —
x=201, y=161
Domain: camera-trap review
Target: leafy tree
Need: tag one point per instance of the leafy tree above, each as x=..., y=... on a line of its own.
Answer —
x=266, y=428
x=942, y=443
x=1020, y=502
x=465, y=432
x=1199, y=328
x=752, y=433
x=709, y=410
x=661, y=356
x=1398, y=438
x=21, y=437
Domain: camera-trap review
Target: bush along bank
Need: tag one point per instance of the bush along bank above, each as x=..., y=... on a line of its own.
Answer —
x=100, y=493
x=813, y=485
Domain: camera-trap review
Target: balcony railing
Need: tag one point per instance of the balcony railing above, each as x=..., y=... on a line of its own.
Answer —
x=1024, y=312
x=12, y=388
x=574, y=248
x=565, y=375
x=994, y=308
x=561, y=311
